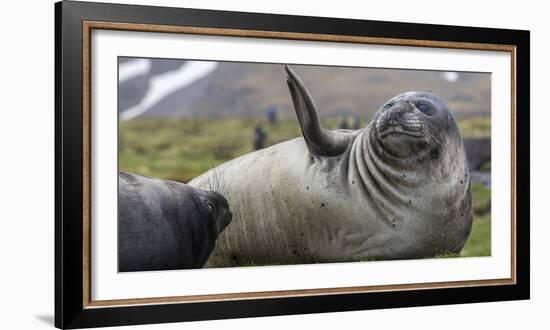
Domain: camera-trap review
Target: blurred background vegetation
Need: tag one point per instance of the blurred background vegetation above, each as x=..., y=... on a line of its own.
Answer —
x=182, y=131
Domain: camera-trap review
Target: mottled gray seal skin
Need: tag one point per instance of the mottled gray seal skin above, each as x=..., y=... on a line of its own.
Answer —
x=396, y=189
x=165, y=224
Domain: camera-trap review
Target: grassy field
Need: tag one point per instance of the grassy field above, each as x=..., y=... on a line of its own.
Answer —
x=479, y=243
x=181, y=149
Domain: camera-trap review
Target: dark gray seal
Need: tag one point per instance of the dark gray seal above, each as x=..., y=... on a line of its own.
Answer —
x=165, y=224
x=399, y=188
x=478, y=152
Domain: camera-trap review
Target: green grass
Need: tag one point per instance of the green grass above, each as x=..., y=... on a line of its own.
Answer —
x=481, y=198
x=486, y=167
x=181, y=149
x=479, y=243
x=475, y=126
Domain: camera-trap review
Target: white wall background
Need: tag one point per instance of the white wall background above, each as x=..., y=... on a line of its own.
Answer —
x=26, y=163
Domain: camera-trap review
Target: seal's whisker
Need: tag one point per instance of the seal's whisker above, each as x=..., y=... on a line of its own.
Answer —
x=216, y=182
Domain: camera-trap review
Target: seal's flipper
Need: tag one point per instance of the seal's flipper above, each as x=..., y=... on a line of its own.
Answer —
x=320, y=142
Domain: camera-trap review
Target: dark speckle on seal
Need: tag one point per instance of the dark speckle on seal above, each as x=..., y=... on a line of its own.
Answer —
x=434, y=155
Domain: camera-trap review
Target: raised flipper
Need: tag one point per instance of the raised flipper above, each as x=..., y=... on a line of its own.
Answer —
x=320, y=141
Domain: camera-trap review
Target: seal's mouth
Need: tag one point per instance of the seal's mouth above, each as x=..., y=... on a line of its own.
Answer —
x=398, y=130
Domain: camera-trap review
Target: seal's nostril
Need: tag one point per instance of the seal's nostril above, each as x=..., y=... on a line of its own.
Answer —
x=396, y=115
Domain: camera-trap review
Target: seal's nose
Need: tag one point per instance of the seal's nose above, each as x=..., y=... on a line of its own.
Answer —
x=396, y=113
x=399, y=117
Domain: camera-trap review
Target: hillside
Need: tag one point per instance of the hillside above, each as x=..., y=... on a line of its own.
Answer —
x=248, y=89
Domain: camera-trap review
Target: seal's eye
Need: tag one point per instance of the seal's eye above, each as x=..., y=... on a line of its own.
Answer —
x=211, y=209
x=425, y=108
x=387, y=106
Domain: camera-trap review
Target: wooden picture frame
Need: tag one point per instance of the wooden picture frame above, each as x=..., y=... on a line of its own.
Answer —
x=74, y=306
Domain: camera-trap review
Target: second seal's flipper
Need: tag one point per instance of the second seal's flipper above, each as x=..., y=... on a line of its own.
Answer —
x=320, y=142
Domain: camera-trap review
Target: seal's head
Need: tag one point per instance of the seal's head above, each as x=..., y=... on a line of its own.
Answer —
x=214, y=209
x=413, y=126
x=411, y=129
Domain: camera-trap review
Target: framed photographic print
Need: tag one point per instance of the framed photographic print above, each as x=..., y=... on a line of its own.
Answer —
x=218, y=164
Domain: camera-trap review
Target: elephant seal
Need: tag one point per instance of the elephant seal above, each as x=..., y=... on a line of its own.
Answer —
x=166, y=224
x=396, y=189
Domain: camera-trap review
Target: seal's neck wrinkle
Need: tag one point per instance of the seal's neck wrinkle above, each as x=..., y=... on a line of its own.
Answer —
x=382, y=180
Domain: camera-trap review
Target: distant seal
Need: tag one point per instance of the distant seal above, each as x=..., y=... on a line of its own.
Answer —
x=165, y=224
x=396, y=189
x=478, y=152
